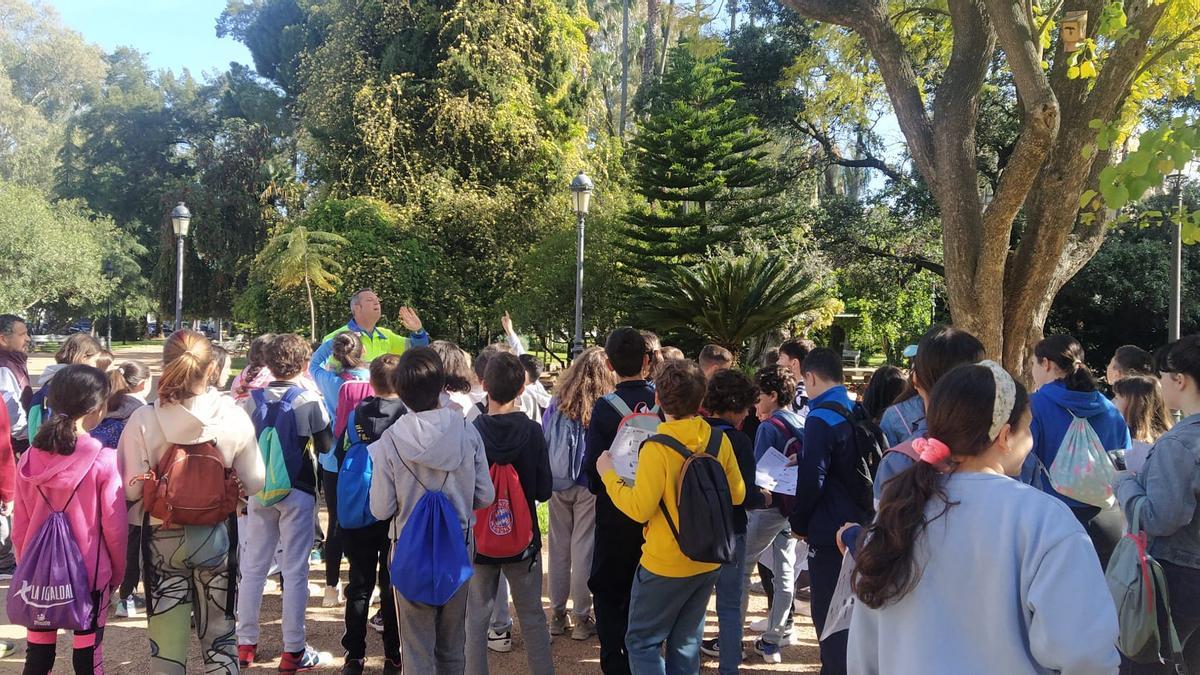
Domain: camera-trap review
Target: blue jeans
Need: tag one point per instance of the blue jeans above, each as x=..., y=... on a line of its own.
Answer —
x=670, y=610
x=729, y=608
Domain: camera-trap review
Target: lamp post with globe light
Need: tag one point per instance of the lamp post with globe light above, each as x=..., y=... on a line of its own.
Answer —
x=581, y=190
x=181, y=219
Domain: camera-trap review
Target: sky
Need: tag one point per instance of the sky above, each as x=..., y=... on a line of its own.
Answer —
x=174, y=34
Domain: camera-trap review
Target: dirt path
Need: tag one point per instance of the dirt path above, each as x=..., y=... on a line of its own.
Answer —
x=126, y=648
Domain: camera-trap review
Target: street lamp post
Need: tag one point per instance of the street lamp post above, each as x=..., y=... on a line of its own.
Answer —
x=181, y=219
x=1176, y=182
x=108, y=273
x=581, y=190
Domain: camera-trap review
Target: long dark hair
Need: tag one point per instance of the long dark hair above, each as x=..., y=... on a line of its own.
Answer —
x=75, y=391
x=1065, y=352
x=940, y=350
x=886, y=385
x=959, y=415
x=348, y=350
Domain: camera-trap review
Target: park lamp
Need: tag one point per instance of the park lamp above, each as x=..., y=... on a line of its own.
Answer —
x=181, y=219
x=581, y=191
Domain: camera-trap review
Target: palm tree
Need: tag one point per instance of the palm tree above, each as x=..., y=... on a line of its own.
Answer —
x=297, y=255
x=731, y=299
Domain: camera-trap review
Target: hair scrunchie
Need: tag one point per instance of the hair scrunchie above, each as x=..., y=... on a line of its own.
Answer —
x=932, y=451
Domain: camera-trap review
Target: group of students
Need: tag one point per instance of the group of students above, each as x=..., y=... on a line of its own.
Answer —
x=431, y=464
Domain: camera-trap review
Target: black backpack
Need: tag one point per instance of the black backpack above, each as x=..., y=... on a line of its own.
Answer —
x=856, y=469
x=705, y=532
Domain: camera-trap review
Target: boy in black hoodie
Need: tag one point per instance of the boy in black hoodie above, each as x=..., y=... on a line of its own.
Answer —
x=619, y=538
x=511, y=438
x=367, y=548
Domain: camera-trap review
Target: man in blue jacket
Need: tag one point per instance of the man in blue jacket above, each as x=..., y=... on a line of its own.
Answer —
x=823, y=490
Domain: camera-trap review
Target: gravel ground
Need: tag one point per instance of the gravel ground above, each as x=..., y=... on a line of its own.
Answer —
x=126, y=648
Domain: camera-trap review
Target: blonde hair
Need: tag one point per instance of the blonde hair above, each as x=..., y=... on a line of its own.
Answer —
x=187, y=357
x=587, y=380
x=1146, y=412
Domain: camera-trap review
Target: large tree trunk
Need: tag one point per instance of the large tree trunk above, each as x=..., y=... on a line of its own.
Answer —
x=1000, y=293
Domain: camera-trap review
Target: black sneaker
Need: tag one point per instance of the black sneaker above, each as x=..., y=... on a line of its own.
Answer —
x=710, y=647
x=352, y=667
x=391, y=667
x=376, y=621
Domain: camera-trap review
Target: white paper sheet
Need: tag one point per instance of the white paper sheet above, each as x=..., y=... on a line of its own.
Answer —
x=625, y=449
x=842, y=606
x=773, y=473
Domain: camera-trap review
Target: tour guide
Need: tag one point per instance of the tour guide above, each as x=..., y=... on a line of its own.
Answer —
x=377, y=340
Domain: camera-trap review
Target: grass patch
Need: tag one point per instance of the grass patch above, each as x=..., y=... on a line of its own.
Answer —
x=543, y=516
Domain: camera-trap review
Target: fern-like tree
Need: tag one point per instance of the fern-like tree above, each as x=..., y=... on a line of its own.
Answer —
x=731, y=299
x=700, y=164
x=297, y=255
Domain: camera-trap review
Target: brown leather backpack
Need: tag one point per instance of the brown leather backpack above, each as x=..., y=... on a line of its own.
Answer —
x=191, y=486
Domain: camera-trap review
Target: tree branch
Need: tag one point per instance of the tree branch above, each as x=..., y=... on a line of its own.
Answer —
x=1167, y=49
x=917, y=261
x=869, y=19
x=1040, y=125
x=834, y=155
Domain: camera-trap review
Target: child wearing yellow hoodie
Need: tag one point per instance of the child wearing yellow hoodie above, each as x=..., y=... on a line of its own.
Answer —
x=670, y=590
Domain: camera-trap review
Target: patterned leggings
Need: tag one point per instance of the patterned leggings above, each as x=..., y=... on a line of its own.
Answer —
x=187, y=575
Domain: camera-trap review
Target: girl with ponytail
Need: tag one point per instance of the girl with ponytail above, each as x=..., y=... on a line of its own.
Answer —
x=66, y=469
x=1066, y=390
x=965, y=570
x=188, y=412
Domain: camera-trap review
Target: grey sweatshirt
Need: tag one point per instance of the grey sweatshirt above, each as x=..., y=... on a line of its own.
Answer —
x=1009, y=584
x=436, y=449
x=1169, y=484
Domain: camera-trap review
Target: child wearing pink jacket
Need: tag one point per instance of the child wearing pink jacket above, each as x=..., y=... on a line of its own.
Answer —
x=66, y=469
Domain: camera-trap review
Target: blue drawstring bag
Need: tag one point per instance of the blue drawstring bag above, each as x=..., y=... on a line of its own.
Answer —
x=430, y=561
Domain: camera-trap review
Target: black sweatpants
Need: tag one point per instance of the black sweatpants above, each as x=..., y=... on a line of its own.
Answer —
x=334, y=541
x=367, y=549
x=618, y=552
x=824, y=567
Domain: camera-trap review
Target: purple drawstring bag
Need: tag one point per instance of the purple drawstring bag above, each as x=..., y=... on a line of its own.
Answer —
x=49, y=588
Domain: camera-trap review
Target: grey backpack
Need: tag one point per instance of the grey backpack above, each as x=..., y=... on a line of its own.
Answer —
x=1143, y=607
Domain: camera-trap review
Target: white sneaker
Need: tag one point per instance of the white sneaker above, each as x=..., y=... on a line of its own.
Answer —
x=333, y=597
x=759, y=626
x=500, y=643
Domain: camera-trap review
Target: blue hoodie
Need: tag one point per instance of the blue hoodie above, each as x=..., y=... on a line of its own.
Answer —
x=823, y=503
x=1054, y=407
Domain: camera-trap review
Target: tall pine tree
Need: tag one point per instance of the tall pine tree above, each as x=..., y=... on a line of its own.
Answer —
x=700, y=164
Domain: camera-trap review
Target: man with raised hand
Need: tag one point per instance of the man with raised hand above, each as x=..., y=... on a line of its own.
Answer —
x=365, y=310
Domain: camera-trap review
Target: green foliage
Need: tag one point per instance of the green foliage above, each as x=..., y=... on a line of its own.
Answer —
x=1127, y=283
x=380, y=252
x=700, y=166
x=46, y=72
x=50, y=253
x=730, y=299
